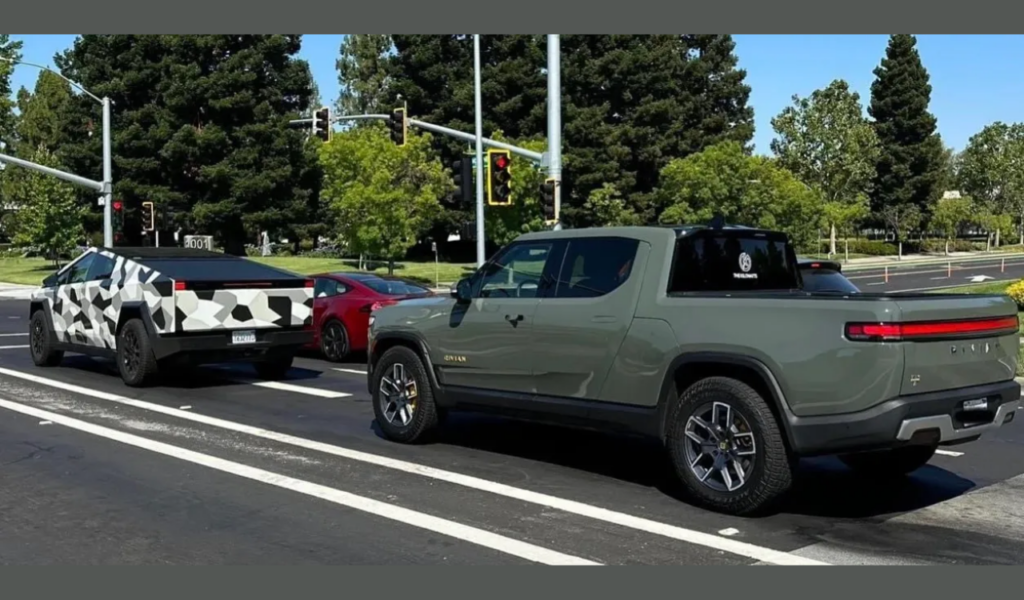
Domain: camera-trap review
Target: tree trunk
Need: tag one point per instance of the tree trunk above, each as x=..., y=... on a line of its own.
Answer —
x=832, y=241
x=391, y=266
x=947, y=247
x=1022, y=228
x=997, y=237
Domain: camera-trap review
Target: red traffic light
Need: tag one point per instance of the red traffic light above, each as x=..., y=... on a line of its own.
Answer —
x=501, y=161
x=118, y=206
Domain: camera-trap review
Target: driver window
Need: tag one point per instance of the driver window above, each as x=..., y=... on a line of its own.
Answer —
x=80, y=270
x=516, y=273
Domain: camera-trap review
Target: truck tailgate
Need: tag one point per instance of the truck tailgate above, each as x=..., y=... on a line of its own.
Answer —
x=956, y=341
x=221, y=305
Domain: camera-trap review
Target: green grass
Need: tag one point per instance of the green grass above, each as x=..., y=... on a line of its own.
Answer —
x=993, y=287
x=31, y=271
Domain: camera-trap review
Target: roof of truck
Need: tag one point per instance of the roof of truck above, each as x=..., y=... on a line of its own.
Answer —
x=201, y=265
x=643, y=232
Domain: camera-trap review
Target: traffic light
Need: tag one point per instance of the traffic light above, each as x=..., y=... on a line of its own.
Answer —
x=398, y=125
x=499, y=189
x=148, y=216
x=117, y=220
x=322, y=123
x=547, y=200
x=464, y=179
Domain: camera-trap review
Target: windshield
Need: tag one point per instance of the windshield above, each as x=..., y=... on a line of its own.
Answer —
x=827, y=280
x=393, y=287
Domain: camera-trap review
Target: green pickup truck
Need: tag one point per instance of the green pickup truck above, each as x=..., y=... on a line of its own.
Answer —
x=705, y=338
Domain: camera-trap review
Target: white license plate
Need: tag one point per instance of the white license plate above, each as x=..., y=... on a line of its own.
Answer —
x=243, y=337
x=980, y=404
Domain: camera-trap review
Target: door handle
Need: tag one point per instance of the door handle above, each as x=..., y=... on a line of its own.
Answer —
x=514, y=320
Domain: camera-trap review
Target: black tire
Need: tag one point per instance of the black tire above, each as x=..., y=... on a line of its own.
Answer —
x=334, y=344
x=274, y=368
x=41, y=341
x=135, y=359
x=888, y=464
x=424, y=418
x=767, y=476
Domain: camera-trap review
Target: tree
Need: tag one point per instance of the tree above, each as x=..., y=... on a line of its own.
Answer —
x=11, y=51
x=951, y=215
x=46, y=214
x=748, y=190
x=364, y=72
x=608, y=208
x=382, y=197
x=43, y=113
x=901, y=219
x=200, y=128
x=827, y=143
x=992, y=170
x=910, y=166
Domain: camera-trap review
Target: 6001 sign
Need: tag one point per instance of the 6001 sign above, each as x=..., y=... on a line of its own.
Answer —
x=199, y=242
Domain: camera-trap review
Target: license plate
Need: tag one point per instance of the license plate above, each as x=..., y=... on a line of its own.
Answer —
x=243, y=337
x=981, y=404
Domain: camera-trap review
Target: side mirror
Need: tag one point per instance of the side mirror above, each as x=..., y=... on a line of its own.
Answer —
x=462, y=290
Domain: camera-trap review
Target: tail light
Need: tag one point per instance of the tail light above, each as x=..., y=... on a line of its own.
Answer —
x=180, y=286
x=310, y=283
x=369, y=308
x=930, y=330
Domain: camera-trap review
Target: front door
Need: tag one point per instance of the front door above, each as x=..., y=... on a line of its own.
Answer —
x=486, y=344
x=100, y=320
x=71, y=304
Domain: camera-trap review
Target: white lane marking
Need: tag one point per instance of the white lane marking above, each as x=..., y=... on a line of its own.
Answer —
x=13, y=347
x=299, y=389
x=186, y=407
x=12, y=334
x=438, y=525
x=356, y=371
x=938, y=278
x=699, y=538
x=729, y=531
x=949, y=453
x=46, y=422
x=14, y=318
x=878, y=283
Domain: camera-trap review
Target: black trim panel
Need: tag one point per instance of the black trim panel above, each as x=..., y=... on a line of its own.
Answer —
x=876, y=428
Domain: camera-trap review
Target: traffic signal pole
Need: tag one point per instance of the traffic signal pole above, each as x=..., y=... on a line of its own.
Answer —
x=481, y=252
x=555, y=122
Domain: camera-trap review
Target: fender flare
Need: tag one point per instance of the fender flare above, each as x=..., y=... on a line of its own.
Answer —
x=418, y=344
x=768, y=378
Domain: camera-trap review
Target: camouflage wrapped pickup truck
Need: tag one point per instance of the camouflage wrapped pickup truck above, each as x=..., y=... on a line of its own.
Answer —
x=705, y=338
x=153, y=308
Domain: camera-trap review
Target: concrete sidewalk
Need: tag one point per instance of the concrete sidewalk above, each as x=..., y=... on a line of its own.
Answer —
x=16, y=291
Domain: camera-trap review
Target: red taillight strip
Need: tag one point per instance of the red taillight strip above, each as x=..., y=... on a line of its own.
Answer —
x=928, y=329
x=180, y=286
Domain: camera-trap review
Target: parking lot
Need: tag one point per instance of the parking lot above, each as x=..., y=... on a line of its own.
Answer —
x=213, y=466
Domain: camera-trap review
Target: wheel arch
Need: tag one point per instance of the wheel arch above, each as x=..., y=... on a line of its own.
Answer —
x=384, y=342
x=689, y=368
x=135, y=309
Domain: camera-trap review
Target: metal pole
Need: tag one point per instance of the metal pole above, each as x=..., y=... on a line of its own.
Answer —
x=108, y=182
x=69, y=177
x=534, y=156
x=555, y=122
x=480, y=246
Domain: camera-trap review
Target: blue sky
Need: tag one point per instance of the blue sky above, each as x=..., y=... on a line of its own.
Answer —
x=976, y=79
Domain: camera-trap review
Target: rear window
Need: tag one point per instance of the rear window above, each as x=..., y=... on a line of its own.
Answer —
x=725, y=261
x=393, y=287
x=826, y=280
x=215, y=269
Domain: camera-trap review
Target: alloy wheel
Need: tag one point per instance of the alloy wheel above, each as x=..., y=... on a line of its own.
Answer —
x=720, y=447
x=398, y=395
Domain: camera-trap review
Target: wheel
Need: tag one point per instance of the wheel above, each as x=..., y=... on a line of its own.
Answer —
x=896, y=462
x=404, y=400
x=135, y=359
x=334, y=341
x=727, y=449
x=41, y=342
x=274, y=368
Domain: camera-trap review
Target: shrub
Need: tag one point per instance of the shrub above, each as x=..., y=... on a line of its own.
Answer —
x=1016, y=291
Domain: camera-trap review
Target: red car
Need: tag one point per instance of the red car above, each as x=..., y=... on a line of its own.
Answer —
x=342, y=303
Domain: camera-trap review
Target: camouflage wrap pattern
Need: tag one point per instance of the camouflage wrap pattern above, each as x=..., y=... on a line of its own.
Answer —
x=243, y=309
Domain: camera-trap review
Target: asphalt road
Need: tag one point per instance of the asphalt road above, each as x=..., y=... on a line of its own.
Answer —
x=213, y=468
x=909, y=277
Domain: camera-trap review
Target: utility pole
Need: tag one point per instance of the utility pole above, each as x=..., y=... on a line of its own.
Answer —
x=555, y=122
x=480, y=246
x=105, y=187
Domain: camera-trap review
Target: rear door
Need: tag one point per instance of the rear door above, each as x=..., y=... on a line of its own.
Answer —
x=487, y=343
x=584, y=316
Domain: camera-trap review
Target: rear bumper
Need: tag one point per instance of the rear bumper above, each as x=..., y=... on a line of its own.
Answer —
x=217, y=346
x=938, y=417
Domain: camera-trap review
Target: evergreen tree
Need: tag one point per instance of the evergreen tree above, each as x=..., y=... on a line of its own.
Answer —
x=11, y=51
x=43, y=114
x=910, y=167
x=200, y=125
x=364, y=74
